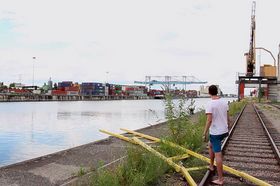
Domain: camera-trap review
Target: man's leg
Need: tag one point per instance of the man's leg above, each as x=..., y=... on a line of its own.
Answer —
x=212, y=156
x=219, y=163
x=219, y=158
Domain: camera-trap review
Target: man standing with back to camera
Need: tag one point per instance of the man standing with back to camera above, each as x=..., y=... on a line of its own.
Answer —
x=217, y=123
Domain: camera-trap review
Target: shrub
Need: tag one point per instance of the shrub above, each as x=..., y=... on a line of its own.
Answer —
x=183, y=131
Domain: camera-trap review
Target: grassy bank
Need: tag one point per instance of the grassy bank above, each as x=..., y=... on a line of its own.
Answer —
x=235, y=107
x=143, y=168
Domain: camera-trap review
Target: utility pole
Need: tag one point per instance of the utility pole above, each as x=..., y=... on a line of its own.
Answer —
x=34, y=58
x=278, y=75
x=107, y=79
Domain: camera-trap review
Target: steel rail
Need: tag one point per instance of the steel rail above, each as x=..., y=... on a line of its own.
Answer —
x=271, y=141
x=208, y=174
x=276, y=106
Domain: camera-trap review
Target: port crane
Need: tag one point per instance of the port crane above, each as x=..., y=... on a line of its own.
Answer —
x=251, y=55
x=266, y=81
x=167, y=81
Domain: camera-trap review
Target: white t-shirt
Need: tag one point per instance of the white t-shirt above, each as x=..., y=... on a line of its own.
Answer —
x=218, y=108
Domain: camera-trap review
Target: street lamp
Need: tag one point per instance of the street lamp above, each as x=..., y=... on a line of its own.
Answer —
x=106, y=77
x=34, y=58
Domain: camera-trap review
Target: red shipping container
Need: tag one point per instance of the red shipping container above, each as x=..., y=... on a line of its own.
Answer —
x=72, y=88
x=58, y=92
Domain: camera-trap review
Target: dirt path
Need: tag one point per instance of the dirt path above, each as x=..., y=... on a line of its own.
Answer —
x=272, y=114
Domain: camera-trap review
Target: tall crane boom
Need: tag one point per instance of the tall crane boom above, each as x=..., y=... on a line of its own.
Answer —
x=251, y=55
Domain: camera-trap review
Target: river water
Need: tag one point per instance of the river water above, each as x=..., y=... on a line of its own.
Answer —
x=33, y=129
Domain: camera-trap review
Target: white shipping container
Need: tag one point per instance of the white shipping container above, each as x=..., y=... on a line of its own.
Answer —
x=106, y=91
x=72, y=93
x=49, y=92
x=36, y=91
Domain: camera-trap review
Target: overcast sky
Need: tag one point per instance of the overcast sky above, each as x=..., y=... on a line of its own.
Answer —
x=82, y=40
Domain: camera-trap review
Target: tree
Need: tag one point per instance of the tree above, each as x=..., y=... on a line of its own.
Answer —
x=12, y=85
x=55, y=86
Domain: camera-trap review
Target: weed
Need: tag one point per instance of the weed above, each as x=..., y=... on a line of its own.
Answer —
x=82, y=171
x=183, y=131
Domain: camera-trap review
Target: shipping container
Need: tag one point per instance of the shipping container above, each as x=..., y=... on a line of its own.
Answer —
x=58, y=92
x=72, y=88
x=268, y=71
x=118, y=87
x=64, y=84
x=72, y=93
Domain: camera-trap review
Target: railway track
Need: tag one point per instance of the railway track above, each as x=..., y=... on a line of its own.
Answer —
x=251, y=148
x=276, y=106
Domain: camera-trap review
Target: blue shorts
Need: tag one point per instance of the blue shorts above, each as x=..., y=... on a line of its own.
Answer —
x=216, y=141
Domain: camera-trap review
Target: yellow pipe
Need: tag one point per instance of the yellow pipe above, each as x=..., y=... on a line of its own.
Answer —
x=177, y=167
x=118, y=136
x=142, y=135
x=203, y=158
x=179, y=157
x=134, y=140
x=197, y=168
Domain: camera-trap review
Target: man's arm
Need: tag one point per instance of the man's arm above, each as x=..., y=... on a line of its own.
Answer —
x=207, y=125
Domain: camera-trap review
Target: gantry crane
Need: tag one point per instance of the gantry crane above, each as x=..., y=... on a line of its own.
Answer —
x=251, y=55
x=167, y=81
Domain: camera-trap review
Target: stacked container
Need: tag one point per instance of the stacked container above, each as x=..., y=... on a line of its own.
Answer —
x=153, y=93
x=86, y=89
x=58, y=92
x=72, y=91
x=111, y=89
x=92, y=89
x=191, y=93
x=118, y=90
x=99, y=89
x=131, y=90
x=62, y=85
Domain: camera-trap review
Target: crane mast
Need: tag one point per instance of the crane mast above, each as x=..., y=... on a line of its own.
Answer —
x=251, y=55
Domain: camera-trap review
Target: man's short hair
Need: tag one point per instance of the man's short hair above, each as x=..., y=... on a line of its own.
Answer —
x=213, y=90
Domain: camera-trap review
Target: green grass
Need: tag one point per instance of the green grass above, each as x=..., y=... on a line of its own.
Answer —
x=140, y=168
x=236, y=107
x=82, y=171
